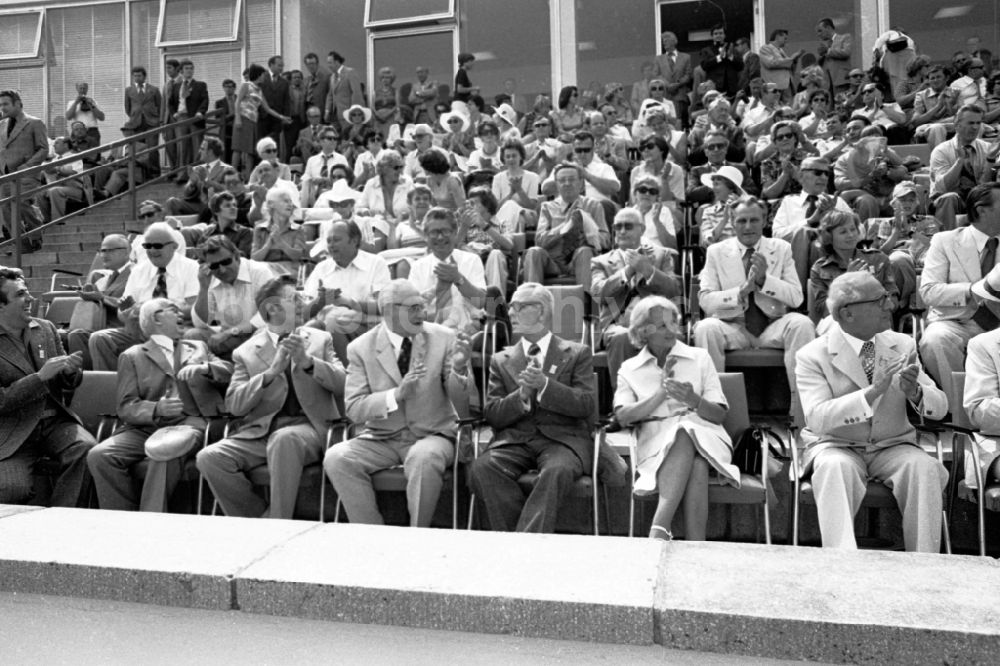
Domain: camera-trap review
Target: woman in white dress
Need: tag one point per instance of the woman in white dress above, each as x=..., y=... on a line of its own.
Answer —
x=671, y=395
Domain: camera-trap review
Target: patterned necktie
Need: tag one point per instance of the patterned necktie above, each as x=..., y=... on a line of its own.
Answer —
x=160, y=290
x=868, y=359
x=403, y=362
x=325, y=171
x=984, y=316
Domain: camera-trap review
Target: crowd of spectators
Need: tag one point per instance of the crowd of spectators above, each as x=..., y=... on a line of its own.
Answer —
x=343, y=252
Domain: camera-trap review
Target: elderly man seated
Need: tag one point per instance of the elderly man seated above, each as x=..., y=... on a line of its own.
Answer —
x=844, y=377
x=621, y=277
x=104, y=290
x=344, y=287
x=408, y=381
x=571, y=228
x=53, y=200
x=748, y=287
x=865, y=173
x=165, y=274
x=286, y=385
x=166, y=388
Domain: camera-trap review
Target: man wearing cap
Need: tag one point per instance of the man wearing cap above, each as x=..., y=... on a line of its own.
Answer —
x=104, y=289
x=167, y=387
x=776, y=66
x=955, y=261
x=344, y=287
x=164, y=274
x=971, y=86
x=287, y=382
x=408, y=382
x=716, y=146
x=958, y=165
x=798, y=217
x=934, y=108
x=856, y=370
x=834, y=53
x=423, y=94
x=748, y=287
x=621, y=277
x=904, y=237
x=316, y=175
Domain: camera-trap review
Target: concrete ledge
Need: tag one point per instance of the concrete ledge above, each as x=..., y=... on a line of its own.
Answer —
x=163, y=559
x=14, y=509
x=571, y=587
x=809, y=603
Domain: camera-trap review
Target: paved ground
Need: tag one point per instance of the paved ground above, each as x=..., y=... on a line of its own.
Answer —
x=49, y=630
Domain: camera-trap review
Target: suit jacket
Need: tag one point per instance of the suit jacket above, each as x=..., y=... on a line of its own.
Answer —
x=775, y=66
x=114, y=290
x=143, y=109
x=256, y=405
x=724, y=73
x=145, y=375
x=317, y=87
x=616, y=295
x=723, y=275
x=24, y=147
x=203, y=174
x=982, y=382
x=228, y=114
x=307, y=145
x=676, y=73
x=23, y=395
x=443, y=396
x=751, y=69
x=837, y=61
x=197, y=101
x=831, y=384
x=171, y=96
x=345, y=91
x=277, y=92
x=565, y=411
x=951, y=265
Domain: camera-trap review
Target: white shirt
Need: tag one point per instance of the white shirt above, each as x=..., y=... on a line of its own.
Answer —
x=166, y=345
x=364, y=277
x=423, y=278
x=543, y=347
x=856, y=344
x=314, y=166
x=235, y=305
x=480, y=160
x=86, y=117
x=182, y=280
x=791, y=214
x=530, y=183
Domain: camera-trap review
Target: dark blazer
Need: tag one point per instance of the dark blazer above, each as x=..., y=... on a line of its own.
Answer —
x=143, y=109
x=724, y=73
x=24, y=147
x=317, y=88
x=197, y=101
x=276, y=92
x=23, y=395
x=567, y=407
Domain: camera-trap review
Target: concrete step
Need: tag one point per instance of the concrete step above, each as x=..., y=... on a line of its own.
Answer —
x=51, y=246
x=79, y=257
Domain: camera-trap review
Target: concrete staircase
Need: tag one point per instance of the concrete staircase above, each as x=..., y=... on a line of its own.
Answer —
x=72, y=246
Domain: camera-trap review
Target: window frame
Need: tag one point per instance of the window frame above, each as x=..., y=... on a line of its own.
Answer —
x=407, y=32
x=448, y=15
x=36, y=50
x=233, y=37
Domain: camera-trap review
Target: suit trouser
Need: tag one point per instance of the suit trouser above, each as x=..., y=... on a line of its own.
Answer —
x=110, y=462
x=840, y=480
x=171, y=149
x=54, y=205
x=539, y=264
x=791, y=333
x=7, y=210
x=67, y=442
x=107, y=345
x=494, y=479
x=292, y=444
x=350, y=466
x=189, y=145
x=942, y=349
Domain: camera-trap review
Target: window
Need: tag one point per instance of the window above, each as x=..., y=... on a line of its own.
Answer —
x=398, y=12
x=20, y=35
x=186, y=22
x=399, y=49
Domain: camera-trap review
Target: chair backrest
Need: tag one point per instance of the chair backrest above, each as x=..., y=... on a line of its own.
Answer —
x=738, y=416
x=96, y=395
x=60, y=310
x=957, y=401
x=568, y=312
x=178, y=221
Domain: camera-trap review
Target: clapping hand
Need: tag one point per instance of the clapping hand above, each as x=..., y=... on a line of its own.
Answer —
x=447, y=272
x=189, y=372
x=681, y=392
x=758, y=264
x=461, y=352
x=295, y=346
x=408, y=387
x=909, y=382
x=857, y=264
x=882, y=377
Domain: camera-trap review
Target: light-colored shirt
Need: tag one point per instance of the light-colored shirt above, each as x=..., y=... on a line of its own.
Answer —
x=530, y=183
x=182, y=280
x=235, y=305
x=314, y=166
x=166, y=345
x=791, y=213
x=363, y=278
x=423, y=278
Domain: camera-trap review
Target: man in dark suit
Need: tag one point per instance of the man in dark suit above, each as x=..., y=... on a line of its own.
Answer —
x=308, y=143
x=192, y=102
x=675, y=70
x=345, y=89
x=227, y=105
x=278, y=96
x=721, y=63
x=143, y=108
x=35, y=378
x=541, y=403
x=23, y=144
x=751, y=65
x=168, y=107
x=317, y=82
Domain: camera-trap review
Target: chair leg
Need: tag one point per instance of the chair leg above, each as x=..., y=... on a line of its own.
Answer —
x=767, y=520
x=795, y=514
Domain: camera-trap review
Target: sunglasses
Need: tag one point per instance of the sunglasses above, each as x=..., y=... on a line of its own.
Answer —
x=623, y=226
x=156, y=246
x=267, y=151
x=454, y=121
x=782, y=137
x=657, y=88
x=215, y=265
x=643, y=189
x=715, y=146
x=145, y=216
x=582, y=151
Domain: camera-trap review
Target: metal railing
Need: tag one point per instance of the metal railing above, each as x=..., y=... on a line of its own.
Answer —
x=145, y=144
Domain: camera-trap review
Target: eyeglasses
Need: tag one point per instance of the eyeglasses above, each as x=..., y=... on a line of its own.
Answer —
x=523, y=305
x=156, y=246
x=623, y=226
x=329, y=137
x=782, y=137
x=341, y=204
x=644, y=189
x=881, y=300
x=856, y=76
x=816, y=172
x=215, y=265
x=582, y=151
x=442, y=233
x=657, y=87
x=267, y=151
x=454, y=121
x=146, y=216
x=715, y=146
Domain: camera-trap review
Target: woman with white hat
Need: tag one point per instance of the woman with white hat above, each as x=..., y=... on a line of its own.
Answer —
x=357, y=119
x=715, y=221
x=456, y=124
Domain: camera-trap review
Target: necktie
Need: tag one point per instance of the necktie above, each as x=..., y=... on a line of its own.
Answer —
x=185, y=88
x=811, y=203
x=984, y=316
x=291, y=406
x=160, y=290
x=403, y=362
x=111, y=279
x=325, y=171
x=533, y=352
x=868, y=359
x=756, y=320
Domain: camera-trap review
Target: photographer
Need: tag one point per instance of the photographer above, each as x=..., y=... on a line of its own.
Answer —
x=85, y=110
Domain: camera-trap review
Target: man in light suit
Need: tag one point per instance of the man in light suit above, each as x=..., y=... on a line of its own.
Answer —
x=317, y=83
x=23, y=144
x=345, y=89
x=748, y=286
x=408, y=381
x=982, y=399
x=541, y=404
x=166, y=389
x=776, y=66
x=192, y=102
x=856, y=370
x=105, y=288
x=143, y=108
x=621, y=277
x=35, y=380
x=834, y=54
x=956, y=260
x=675, y=69
x=423, y=95
x=286, y=384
